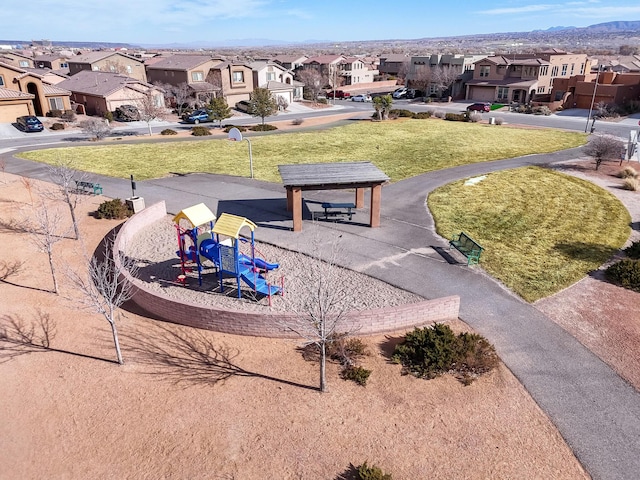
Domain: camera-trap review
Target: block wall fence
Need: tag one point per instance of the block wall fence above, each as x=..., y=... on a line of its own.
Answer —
x=264, y=324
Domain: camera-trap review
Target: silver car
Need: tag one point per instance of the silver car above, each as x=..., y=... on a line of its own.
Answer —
x=361, y=98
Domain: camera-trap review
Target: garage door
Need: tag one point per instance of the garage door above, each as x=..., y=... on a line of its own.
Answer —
x=9, y=113
x=482, y=94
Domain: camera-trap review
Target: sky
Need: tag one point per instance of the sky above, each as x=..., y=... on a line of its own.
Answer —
x=157, y=22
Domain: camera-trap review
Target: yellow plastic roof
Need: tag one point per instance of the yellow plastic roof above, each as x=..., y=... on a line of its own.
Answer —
x=230, y=225
x=196, y=215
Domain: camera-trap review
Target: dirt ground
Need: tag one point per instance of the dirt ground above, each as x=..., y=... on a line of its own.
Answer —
x=198, y=404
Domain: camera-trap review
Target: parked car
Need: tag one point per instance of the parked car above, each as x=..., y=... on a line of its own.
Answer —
x=479, y=107
x=243, y=106
x=363, y=97
x=126, y=113
x=413, y=93
x=29, y=123
x=399, y=92
x=341, y=94
x=197, y=116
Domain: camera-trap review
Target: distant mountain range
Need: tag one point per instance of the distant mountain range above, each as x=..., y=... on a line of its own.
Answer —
x=607, y=27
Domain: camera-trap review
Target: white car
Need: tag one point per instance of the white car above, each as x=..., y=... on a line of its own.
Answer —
x=361, y=98
x=400, y=93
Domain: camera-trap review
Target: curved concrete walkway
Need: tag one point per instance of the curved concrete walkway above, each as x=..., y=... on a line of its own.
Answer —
x=596, y=412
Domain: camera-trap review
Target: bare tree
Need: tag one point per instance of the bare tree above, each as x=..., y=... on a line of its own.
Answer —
x=28, y=185
x=443, y=77
x=214, y=78
x=64, y=177
x=103, y=290
x=604, y=147
x=151, y=107
x=404, y=69
x=9, y=269
x=313, y=81
x=95, y=127
x=3, y=166
x=178, y=95
x=114, y=67
x=421, y=79
x=44, y=230
x=318, y=319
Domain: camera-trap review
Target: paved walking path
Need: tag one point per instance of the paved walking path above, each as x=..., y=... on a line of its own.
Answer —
x=596, y=412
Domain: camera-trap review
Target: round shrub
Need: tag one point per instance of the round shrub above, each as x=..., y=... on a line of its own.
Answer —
x=628, y=172
x=475, y=117
x=456, y=117
x=297, y=121
x=57, y=126
x=401, y=112
x=359, y=375
x=109, y=116
x=366, y=472
x=432, y=351
x=114, y=209
x=422, y=115
x=631, y=184
x=499, y=120
x=200, y=131
x=439, y=114
x=168, y=131
x=263, y=128
x=322, y=100
x=625, y=273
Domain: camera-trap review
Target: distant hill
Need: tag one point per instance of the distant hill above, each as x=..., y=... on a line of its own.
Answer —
x=616, y=26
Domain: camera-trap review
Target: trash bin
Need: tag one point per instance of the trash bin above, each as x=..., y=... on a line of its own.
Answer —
x=492, y=120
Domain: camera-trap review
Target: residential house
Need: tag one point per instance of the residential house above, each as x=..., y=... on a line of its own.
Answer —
x=394, y=64
x=617, y=63
x=424, y=70
x=101, y=92
x=52, y=61
x=205, y=76
x=290, y=62
x=17, y=59
x=578, y=91
x=278, y=79
x=521, y=77
x=340, y=70
x=114, y=62
x=26, y=93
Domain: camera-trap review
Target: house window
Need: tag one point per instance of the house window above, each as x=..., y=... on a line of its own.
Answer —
x=24, y=63
x=271, y=76
x=1, y=81
x=559, y=95
x=581, y=68
x=197, y=76
x=554, y=71
x=564, y=69
x=112, y=68
x=129, y=69
x=544, y=70
x=238, y=77
x=484, y=70
x=541, y=89
x=56, y=103
x=572, y=68
x=64, y=65
x=96, y=68
x=503, y=93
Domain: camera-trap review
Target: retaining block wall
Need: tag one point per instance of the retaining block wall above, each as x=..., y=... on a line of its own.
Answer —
x=269, y=324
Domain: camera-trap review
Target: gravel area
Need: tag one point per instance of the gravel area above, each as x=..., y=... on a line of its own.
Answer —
x=155, y=247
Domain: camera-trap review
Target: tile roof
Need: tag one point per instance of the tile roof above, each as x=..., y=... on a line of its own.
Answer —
x=100, y=84
x=8, y=94
x=274, y=85
x=181, y=62
x=92, y=57
x=53, y=90
x=324, y=59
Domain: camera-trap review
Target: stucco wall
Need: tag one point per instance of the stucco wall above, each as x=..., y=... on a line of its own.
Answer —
x=267, y=324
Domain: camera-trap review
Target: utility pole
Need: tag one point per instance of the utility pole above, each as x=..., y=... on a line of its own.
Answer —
x=593, y=98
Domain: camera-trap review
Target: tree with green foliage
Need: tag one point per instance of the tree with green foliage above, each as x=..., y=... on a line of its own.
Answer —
x=218, y=110
x=262, y=103
x=382, y=106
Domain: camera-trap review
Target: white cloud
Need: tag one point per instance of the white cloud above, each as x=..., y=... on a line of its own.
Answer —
x=524, y=9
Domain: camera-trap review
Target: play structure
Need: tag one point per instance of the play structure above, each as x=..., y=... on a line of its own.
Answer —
x=202, y=237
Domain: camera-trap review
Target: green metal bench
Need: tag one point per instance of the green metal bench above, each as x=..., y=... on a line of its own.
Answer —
x=89, y=187
x=467, y=246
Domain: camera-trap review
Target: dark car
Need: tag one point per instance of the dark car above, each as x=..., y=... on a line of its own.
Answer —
x=127, y=113
x=29, y=123
x=341, y=94
x=197, y=116
x=479, y=107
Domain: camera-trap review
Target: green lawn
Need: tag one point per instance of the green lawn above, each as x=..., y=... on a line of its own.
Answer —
x=400, y=148
x=542, y=230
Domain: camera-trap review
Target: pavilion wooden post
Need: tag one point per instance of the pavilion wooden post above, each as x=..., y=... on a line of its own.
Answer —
x=376, y=198
x=296, y=200
x=289, y=200
x=359, y=197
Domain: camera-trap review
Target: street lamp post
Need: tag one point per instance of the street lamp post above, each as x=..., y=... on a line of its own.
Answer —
x=593, y=98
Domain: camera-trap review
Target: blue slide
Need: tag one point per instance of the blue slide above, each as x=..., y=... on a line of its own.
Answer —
x=209, y=249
